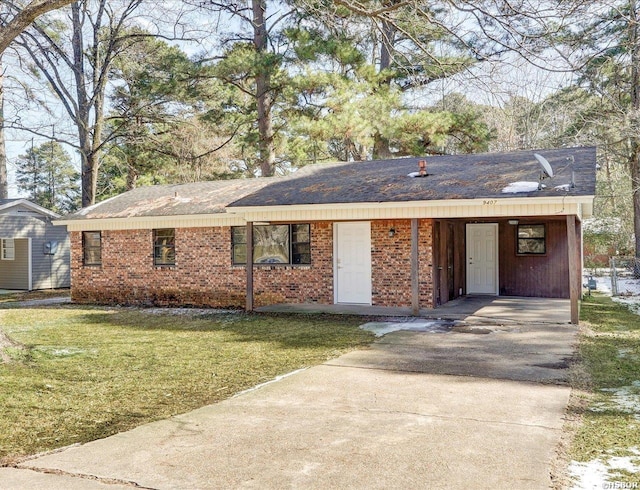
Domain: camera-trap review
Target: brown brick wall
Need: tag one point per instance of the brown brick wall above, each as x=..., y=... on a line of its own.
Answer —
x=425, y=260
x=391, y=263
x=204, y=276
x=299, y=284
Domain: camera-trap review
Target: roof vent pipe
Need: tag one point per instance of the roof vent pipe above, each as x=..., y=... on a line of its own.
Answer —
x=422, y=166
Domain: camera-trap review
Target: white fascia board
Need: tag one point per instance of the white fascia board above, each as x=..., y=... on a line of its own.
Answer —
x=150, y=222
x=490, y=206
x=30, y=205
x=237, y=216
x=417, y=204
x=587, y=209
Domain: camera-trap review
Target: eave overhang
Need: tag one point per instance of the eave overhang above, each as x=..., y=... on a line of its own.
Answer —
x=152, y=222
x=580, y=206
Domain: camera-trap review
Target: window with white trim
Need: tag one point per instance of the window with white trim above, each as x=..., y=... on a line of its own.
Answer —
x=8, y=249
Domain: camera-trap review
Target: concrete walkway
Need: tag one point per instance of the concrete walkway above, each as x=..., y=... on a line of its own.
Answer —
x=491, y=309
x=472, y=408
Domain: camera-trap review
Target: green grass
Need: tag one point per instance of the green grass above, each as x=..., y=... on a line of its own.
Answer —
x=610, y=353
x=81, y=373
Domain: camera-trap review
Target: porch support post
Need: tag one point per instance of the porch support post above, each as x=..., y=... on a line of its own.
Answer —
x=574, y=266
x=415, y=273
x=249, y=306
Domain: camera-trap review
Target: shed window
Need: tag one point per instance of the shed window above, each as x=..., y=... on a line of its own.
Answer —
x=91, y=248
x=531, y=240
x=273, y=244
x=8, y=251
x=164, y=246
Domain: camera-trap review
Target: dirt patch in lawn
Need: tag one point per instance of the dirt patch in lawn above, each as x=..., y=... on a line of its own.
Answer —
x=6, y=342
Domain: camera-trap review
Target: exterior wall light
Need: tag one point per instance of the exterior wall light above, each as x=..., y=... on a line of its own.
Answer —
x=392, y=232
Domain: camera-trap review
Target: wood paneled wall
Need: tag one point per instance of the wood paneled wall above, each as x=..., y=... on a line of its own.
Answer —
x=543, y=276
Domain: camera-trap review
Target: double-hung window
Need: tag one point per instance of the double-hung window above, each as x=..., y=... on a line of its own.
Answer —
x=273, y=244
x=164, y=246
x=8, y=249
x=91, y=248
x=531, y=240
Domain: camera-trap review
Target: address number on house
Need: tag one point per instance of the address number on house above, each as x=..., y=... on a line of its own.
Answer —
x=490, y=202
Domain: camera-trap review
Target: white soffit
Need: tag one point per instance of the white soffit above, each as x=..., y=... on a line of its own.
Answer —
x=581, y=206
x=152, y=222
x=460, y=208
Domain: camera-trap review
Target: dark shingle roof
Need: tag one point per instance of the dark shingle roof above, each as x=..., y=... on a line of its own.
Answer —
x=449, y=177
x=172, y=200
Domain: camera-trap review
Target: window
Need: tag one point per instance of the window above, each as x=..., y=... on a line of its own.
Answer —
x=164, y=247
x=300, y=244
x=531, y=240
x=239, y=244
x=273, y=244
x=8, y=251
x=91, y=248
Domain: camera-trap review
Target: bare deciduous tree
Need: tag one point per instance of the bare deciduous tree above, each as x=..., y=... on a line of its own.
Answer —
x=4, y=184
x=16, y=18
x=96, y=37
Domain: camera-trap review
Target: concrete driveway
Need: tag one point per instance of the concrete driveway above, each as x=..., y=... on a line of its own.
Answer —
x=472, y=408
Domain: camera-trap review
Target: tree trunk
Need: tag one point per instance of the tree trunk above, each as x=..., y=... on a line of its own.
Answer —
x=381, y=144
x=132, y=173
x=381, y=149
x=634, y=160
x=264, y=97
x=25, y=17
x=4, y=183
x=82, y=114
x=635, y=182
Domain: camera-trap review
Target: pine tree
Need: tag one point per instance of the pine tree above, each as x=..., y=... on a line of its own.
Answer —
x=48, y=177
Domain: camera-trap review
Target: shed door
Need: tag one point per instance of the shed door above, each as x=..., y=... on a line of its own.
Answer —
x=352, y=262
x=482, y=258
x=15, y=264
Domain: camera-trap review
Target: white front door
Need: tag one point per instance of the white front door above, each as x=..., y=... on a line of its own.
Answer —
x=482, y=258
x=352, y=262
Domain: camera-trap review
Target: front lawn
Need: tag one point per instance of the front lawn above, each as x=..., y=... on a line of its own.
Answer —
x=606, y=447
x=75, y=374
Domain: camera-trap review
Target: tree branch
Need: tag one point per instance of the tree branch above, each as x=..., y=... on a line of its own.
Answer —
x=25, y=17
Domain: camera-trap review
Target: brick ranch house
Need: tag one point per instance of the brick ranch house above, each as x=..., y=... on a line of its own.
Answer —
x=370, y=233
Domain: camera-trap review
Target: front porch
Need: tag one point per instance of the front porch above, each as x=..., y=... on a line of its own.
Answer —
x=508, y=309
